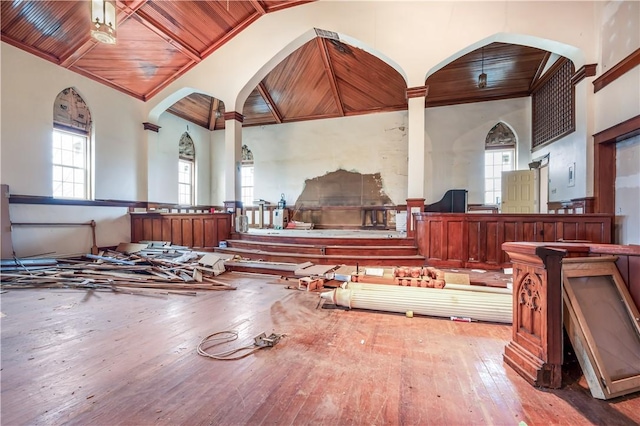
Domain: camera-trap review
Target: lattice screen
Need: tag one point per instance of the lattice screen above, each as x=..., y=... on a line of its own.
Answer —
x=553, y=107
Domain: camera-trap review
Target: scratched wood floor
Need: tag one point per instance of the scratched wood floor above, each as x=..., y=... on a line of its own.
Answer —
x=110, y=359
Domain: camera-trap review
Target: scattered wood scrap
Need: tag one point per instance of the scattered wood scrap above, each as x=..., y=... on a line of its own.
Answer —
x=150, y=270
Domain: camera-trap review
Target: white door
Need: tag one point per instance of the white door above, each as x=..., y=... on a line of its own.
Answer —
x=518, y=191
x=544, y=188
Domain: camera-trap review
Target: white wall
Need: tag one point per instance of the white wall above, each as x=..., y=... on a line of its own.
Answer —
x=287, y=154
x=628, y=191
x=455, y=138
x=113, y=226
x=29, y=88
x=618, y=102
x=572, y=150
x=165, y=162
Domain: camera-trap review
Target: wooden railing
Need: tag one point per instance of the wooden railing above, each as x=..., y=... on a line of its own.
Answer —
x=174, y=208
x=474, y=240
x=197, y=230
x=574, y=206
x=536, y=350
x=347, y=217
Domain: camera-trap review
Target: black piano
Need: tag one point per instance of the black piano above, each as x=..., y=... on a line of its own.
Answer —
x=454, y=201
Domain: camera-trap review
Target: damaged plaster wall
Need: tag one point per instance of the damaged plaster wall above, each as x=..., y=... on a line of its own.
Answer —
x=285, y=155
x=344, y=188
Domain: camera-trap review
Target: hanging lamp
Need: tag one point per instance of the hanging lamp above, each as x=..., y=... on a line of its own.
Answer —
x=482, y=78
x=103, y=21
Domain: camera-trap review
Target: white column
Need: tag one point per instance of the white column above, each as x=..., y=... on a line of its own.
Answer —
x=233, y=156
x=415, y=171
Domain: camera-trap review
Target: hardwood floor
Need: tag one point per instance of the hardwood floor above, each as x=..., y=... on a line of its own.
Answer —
x=70, y=357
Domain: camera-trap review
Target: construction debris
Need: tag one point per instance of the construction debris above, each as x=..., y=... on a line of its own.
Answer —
x=134, y=269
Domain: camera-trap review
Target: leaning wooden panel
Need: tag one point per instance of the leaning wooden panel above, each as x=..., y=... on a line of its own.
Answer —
x=603, y=325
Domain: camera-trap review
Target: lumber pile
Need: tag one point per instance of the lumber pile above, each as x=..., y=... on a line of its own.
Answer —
x=131, y=268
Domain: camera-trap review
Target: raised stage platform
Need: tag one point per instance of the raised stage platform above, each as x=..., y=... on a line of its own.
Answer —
x=325, y=247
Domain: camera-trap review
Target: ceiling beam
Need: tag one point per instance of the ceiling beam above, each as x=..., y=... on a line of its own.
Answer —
x=538, y=73
x=547, y=75
x=106, y=82
x=328, y=67
x=286, y=5
x=231, y=34
x=258, y=7
x=154, y=26
x=169, y=80
x=213, y=112
x=277, y=115
x=73, y=55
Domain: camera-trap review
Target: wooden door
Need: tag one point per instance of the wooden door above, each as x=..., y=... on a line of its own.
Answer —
x=518, y=191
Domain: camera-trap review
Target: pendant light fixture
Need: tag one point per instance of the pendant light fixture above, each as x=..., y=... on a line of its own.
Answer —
x=103, y=21
x=482, y=78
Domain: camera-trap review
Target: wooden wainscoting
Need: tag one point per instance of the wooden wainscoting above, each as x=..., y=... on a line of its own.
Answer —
x=461, y=240
x=197, y=230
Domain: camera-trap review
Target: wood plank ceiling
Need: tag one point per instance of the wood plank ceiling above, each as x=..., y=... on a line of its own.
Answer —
x=160, y=40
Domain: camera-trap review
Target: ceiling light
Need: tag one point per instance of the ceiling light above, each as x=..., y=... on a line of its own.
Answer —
x=103, y=21
x=482, y=78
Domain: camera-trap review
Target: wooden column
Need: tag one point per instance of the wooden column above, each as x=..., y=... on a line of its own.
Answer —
x=414, y=205
x=535, y=350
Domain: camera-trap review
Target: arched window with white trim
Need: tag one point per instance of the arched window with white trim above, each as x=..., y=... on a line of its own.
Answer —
x=499, y=156
x=186, y=171
x=246, y=176
x=71, y=148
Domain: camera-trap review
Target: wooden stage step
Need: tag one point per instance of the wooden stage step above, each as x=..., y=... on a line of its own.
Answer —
x=325, y=250
x=340, y=250
x=318, y=259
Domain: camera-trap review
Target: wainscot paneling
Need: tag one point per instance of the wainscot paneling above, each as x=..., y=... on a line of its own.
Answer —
x=196, y=230
x=463, y=240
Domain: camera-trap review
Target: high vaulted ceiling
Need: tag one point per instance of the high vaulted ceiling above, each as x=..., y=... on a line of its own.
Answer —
x=159, y=40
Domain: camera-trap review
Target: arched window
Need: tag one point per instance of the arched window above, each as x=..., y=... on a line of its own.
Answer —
x=186, y=170
x=499, y=156
x=246, y=176
x=70, y=146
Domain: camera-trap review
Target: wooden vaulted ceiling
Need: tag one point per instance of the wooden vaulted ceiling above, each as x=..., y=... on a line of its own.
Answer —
x=160, y=40
x=326, y=78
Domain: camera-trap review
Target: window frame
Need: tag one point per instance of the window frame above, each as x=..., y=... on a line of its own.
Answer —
x=246, y=197
x=190, y=184
x=497, y=180
x=86, y=167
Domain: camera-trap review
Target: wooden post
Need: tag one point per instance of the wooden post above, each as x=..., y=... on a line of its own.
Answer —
x=414, y=205
x=535, y=350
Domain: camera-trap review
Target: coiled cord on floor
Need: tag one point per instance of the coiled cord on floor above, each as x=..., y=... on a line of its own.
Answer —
x=222, y=337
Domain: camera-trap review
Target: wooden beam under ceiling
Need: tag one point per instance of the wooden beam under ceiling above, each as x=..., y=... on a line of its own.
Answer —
x=73, y=55
x=172, y=39
x=258, y=7
x=231, y=34
x=538, y=73
x=330, y=73
x=277, y=115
